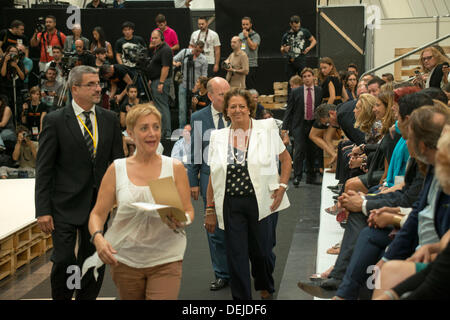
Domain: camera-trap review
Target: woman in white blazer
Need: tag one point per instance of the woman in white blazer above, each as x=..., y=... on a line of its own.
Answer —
x=244, y=190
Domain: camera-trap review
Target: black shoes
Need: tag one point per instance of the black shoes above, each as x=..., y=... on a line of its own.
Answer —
x=218, y=284
x=330, y=284
x=336, y=187
x=296, y=181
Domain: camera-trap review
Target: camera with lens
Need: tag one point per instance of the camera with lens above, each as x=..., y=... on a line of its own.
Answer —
x=25, y=95
x=24, y=136
x=138, y=55
x=40, y=24
x=16, y=56
x=68, y=62
x=226, y=65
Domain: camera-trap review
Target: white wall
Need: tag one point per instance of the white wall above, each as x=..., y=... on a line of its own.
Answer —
x=405, y=33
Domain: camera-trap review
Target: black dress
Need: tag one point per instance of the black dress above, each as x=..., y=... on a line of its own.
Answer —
x=337, y=89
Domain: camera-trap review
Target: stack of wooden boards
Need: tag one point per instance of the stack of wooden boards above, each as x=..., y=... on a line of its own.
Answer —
x=276, y=100
x=21, y=247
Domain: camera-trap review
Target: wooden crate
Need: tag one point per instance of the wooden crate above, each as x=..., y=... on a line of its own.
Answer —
x=21, y=257
x=37, y=248
x=6, y=246
x=280, y=99
x=280, y=86
x=283, y=92
x=48, y=243
x=273, y=105
x=36, y=232
x=22, y=238
x=6, y=266
x=265, y=99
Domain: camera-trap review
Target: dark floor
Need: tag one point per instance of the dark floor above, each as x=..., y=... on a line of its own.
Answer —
x=296, y=248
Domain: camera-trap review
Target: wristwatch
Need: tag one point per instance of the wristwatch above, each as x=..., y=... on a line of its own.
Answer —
x=94, y=234
x=285, y=186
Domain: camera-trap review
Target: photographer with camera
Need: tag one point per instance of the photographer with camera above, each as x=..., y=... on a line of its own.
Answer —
x=33, y=113
x=12, y=76
x=57, y=64
x=25, y=154
x=13, y=37
x=160, y=74
x=236, y=65
x=119, y=77
x=85, y=58
x=129, y=102
x=47, y=37
x=27, y=63
x=51, y=90
x=194, y=65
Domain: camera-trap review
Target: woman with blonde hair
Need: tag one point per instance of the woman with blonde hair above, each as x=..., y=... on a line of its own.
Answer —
x=145, y=252
x=435, y=64
x=365, y=118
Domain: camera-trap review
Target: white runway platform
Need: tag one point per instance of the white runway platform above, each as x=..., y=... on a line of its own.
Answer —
x=16, y=205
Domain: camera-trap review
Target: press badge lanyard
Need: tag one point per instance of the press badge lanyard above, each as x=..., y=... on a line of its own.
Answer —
x=89, y=131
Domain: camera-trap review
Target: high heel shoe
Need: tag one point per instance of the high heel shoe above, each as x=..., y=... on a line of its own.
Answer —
x=332, y=210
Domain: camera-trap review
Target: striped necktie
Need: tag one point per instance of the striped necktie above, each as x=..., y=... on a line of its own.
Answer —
x=87, y=137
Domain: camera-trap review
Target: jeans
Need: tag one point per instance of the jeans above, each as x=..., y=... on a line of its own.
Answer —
x=369, y=249
x=161, y=101
x=182, y=106
x=7, y=135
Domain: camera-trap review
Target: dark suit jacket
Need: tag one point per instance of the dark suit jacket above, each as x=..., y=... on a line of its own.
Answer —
x=346, y=121
x=66, y=177
x=201, y=123
x=436, y=77
x=295, y=112
x=407, y=239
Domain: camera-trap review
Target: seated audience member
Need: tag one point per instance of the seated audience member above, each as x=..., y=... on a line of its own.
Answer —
x=33, y=113
x=378, y=166
x=118, y=76
x=330, y=82
x=99, y=41
x=200, y=98
x=352, y=67
x=96, y=4
x=7, y=134
x=182, y=148
x=25, y=154
x=69, y=44
x=374, y=86
x=369, y=237
x=447, y=92
x=259, y=108
x=387, y=77
x=350, y=85
x=51, y=90
x=429, y=220
x=129, y=101
x=432, y=282
x=267, y=114
x=432, y=66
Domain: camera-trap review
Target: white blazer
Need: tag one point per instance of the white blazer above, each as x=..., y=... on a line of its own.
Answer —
x=264, y=148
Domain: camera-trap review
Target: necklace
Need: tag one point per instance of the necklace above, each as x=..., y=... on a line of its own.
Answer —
x=230, y=141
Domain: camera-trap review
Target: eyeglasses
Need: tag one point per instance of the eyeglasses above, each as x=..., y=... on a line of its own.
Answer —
x=427, y=58
x=90, y=85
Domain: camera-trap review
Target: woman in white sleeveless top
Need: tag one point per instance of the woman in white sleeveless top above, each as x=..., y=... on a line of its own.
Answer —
x=145, y=253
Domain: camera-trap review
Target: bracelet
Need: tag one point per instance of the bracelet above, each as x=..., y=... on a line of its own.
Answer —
x=94, y=234
x=210, y=212
x=390, y=295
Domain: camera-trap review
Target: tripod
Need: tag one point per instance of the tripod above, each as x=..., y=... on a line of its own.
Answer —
x=140, y=75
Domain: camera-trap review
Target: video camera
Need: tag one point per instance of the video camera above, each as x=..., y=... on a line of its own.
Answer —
x=16, y=56
x=68, y=62
x=138, y=55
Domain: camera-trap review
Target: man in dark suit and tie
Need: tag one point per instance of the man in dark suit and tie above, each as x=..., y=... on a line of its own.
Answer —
x=298, y=119
x=76, y=146
x=202, y=123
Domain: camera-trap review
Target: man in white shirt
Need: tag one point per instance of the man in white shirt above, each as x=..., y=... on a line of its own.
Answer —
x=212, y=45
